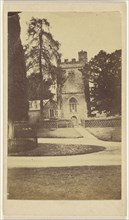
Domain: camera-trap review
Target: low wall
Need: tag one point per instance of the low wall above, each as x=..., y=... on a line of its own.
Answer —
x=55, y=124
x=103, y=122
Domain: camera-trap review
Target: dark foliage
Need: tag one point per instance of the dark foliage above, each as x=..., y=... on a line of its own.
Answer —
x=38, y=89
x=42, y=53
x=17, y=82
x=104, y=73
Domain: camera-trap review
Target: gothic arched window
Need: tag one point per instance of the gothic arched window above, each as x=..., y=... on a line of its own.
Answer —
x=73, y=105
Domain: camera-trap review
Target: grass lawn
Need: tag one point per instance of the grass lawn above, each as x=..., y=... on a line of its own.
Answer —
x=107, y=134
x=58, y=150
x=58, y=133
x=68, y=183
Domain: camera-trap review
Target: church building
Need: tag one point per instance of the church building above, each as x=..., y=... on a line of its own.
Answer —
x=74, y=106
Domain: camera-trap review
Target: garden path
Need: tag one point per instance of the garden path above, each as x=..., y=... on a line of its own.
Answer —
x=111, y=156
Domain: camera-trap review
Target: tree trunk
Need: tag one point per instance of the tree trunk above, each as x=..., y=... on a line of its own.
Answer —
x=10, y=130
x=87, y=95
x=41, y=107
x=40, y=67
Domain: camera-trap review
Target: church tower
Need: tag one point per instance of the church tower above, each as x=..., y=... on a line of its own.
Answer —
x=73, y=106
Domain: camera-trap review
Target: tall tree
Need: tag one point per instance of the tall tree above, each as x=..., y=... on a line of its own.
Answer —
x=104, y=72
x=17, y=81
x=59, y=77
x=42, y=51
x=114, y=65
x=38, y=90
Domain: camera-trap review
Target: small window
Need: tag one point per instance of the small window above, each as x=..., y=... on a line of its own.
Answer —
x=56, y=113
x=71, y=74
x=73, y=105
x=35, y=104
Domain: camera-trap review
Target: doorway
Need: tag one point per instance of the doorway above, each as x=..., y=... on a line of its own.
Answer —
x=74, y=120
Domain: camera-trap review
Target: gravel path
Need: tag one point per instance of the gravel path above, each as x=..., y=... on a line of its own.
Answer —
x=111, y=156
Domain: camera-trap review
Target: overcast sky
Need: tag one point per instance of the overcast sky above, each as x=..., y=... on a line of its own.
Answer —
x=77, y=31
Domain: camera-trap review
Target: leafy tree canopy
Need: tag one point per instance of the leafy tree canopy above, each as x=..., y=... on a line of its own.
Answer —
x=38, y=89
x=42, y=50
x=104, y=75
x=42, y=58
x=17, y=81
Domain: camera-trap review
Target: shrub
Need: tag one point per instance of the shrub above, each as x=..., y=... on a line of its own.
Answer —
x=20, y=145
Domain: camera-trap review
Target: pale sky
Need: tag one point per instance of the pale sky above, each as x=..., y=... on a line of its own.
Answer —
x=78, y=31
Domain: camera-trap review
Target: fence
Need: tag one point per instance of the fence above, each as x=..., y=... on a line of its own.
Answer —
x=55, y=124
x=106, y=122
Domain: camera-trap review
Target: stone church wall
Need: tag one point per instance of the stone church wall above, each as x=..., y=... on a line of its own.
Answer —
x=74, y=88
x=81, y=107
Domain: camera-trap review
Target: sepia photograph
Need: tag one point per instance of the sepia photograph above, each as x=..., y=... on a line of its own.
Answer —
x=64, y=105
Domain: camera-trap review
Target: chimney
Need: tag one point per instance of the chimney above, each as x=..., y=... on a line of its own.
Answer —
x=66, y=60
x=73, y=60
x=82, y=56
